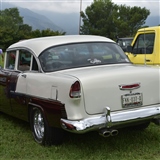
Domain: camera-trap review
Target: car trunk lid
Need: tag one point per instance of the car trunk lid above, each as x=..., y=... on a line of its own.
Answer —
x=117, y=86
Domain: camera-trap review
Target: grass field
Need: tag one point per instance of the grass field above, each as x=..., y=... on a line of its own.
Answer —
x=1, y=62
x=16, y=142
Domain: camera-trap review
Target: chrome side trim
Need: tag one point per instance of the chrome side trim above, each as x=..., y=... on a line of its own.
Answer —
x=112, y=119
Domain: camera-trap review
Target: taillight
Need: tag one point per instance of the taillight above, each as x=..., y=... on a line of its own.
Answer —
x=75, y=90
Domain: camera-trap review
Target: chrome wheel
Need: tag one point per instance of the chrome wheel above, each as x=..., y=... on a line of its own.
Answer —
x=38, y=124
x=42, y=132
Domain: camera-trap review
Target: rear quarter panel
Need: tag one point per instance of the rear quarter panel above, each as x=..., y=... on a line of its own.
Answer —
x=54, y=87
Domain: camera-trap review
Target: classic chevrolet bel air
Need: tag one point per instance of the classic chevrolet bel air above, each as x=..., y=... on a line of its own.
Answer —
x=77, y=83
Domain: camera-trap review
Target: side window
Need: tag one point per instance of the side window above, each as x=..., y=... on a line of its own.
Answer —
x=144, y=44
x=11, y=59
x=24, y=60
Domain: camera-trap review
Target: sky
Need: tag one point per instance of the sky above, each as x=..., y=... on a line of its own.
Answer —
x=68, y=6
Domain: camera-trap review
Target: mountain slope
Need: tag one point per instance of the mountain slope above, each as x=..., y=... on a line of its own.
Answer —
x=37, y=21
x=68, y=21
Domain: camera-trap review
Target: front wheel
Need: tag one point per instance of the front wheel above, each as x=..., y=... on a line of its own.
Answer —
x=42, y=132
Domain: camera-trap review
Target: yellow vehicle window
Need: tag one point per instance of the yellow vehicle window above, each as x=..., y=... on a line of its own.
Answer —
x=144, y=44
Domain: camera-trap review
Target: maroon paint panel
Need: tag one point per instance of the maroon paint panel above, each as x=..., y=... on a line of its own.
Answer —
x=19, y=105
x=53, y=110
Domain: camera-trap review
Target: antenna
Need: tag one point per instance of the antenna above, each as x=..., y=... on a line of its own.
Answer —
x=144, y=48
x=80, y=15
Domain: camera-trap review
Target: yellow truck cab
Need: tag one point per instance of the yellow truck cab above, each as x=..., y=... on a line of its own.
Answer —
x=145, y=47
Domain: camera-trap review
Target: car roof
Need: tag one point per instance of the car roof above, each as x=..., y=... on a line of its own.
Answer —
x=37, y=45
x=157, y=28
x=126, y=38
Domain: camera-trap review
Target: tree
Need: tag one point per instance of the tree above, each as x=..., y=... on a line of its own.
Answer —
x=130, y=19
x=105, y=18
x=10, y=22
x=24, y=32
x=44, y=33
x=98, y=19
x=13, y=30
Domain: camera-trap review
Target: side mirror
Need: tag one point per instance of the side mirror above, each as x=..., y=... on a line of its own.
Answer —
x=129, y=49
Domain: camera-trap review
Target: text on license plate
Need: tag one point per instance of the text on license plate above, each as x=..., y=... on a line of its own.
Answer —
x=132, y=99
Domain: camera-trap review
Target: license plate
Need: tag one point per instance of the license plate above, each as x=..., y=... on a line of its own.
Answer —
x=132, y=100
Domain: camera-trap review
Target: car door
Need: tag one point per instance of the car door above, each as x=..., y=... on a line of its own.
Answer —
x=143, y=49
x=4, y=91
x=12, y=102
x=5, y=82
x=26, y=64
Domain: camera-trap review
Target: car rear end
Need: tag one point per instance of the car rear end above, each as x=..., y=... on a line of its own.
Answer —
x=112, y=97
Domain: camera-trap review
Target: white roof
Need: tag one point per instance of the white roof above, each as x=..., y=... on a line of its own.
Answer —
x=37, y=45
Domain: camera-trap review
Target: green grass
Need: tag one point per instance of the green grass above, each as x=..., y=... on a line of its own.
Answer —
x=16, y=142
x=1, y=61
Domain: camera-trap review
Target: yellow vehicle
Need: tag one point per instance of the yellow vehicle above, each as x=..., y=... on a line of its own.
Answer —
x=145, y=47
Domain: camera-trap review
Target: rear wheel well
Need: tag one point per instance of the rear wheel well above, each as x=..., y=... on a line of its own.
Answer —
x=30, y=107
x=41, y=131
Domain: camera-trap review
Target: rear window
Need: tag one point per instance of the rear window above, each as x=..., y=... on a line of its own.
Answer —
x=81, y=55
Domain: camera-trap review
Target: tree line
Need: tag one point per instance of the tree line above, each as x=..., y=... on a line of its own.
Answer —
x=105, y=18
x=102, y=17
x=13, y=29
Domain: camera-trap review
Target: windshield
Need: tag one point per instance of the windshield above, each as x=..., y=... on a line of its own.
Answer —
x=81, y=55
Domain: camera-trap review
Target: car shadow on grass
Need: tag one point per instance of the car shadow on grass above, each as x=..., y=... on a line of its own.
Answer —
x=125, y=139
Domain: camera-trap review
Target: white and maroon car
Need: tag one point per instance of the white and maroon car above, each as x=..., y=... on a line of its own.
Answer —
x=77, y=83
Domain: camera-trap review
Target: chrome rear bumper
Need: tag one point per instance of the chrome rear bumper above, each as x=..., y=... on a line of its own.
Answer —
x=112, y=119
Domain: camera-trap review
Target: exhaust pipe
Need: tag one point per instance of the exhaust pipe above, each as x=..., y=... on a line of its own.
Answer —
x=106, y=133
x=114, y=132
